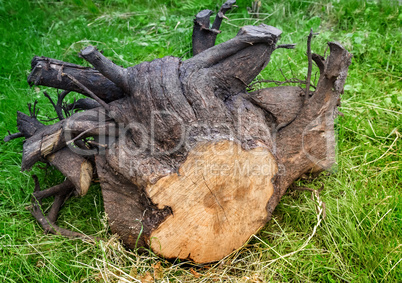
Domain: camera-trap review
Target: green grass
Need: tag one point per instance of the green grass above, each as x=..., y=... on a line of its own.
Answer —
x=360, y=240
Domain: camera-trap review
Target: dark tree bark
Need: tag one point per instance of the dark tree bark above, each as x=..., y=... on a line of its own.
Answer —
x=190, y=163
x=204, y=36
x=53, y=73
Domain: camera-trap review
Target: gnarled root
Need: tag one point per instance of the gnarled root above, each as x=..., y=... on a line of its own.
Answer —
x=61, y=192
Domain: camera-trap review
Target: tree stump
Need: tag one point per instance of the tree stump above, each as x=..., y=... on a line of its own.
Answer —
x=190, y=163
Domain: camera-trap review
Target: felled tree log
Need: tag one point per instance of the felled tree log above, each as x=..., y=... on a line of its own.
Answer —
x=191, y=164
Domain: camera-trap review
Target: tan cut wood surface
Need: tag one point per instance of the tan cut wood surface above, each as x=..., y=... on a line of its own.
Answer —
x=218, y=200
x=75, y=167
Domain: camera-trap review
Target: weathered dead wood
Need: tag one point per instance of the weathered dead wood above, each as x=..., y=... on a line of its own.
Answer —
x=189, y=162
x=49, y=72
x=76, y=168
x=310, y=139
x=48, y=140
x=48, y=222
x=204, y=35
x=58, y=106
x=116, y=74
x=82, y=104
x=310, y=65
x=283, y=102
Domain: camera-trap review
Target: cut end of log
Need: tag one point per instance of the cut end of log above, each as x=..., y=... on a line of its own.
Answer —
x=88, y=50
x=204, y=13
x=262, y=31
x=218, y=200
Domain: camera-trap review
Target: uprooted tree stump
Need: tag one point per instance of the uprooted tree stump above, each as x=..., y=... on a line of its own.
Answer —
x=190, y=163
